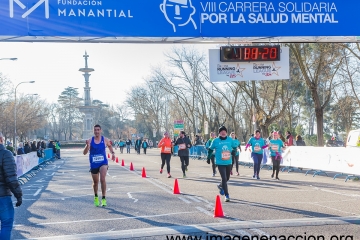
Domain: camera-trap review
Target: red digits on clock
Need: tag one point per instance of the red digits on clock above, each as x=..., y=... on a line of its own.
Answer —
x=273, y=53
x=265, y=53
x=254, y=53
x=247, y=54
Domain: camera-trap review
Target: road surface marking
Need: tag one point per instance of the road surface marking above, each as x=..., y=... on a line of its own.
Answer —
x=261, y=233
x=184, y=200
x=37, y=192
x=243, y=233
x=204, y=211
x=111, y=219
x=193, y=198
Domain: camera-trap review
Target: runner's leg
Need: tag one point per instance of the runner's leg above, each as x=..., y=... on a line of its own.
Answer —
x=182, y=159
x=274, y=165
x=163, y=157
x=103, y=171
x=237, y=163
x=213, y=164
x=95, y=178
x=168, y=157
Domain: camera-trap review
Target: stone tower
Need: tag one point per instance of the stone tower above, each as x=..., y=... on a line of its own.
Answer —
x=87, y=109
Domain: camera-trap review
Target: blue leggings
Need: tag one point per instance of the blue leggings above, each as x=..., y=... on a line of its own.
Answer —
x=257, y=158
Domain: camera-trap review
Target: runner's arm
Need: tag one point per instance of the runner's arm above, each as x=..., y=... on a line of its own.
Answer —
x=107, y=142
x=87, y=147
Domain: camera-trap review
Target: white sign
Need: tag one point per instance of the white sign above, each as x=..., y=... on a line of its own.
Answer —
x=248, y=71
x=206, y=127
x=154, y=133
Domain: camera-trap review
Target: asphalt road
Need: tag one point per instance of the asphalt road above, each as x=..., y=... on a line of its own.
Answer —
x=58, y=203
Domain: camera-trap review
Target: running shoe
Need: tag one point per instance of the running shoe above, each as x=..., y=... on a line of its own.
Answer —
x=277, y=178
x=222, y=193
x=184, y=175
x=230, y=172
x=103, y=202
x=169, y=176
x=227, y=198
x=161, y=170
x=254, y=177
x=186, y=168
x=257, y=177
x=213, y=175
x=272, y=175
x=237, y=174
x=96, y=201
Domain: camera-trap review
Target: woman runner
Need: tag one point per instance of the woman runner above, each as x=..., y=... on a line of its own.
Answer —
x=276, y=146
x=224, y=147
x=165, y=144
x=257, y=145
x=235, y=159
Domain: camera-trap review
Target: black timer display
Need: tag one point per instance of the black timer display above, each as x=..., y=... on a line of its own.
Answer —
x=250, y=53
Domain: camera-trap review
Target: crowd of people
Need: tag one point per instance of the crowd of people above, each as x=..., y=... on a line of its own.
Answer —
x=35, y=146
x=138, y=144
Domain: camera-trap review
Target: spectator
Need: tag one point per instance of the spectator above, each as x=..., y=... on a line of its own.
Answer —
x=38, y=145
x=299, y=141
x=289, y=139
x=197, y=140
x=11, y=148
x=281, y=136
x=43, y=144
x=27, y=148
x=33, y=146
x=8, y=184
x=138, y=144
x=128, y=145
x=145, y=145
x=20, y=150
x=57, y=147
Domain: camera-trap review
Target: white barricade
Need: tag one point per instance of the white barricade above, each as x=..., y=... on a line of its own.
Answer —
x=26, y=162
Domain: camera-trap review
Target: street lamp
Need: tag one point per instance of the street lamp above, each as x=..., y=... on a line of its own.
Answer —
x=15, y=111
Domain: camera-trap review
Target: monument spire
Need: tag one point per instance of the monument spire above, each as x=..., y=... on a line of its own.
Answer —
x=87, y=109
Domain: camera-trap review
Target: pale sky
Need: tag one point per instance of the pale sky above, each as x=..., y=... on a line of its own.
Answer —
x=55, y=66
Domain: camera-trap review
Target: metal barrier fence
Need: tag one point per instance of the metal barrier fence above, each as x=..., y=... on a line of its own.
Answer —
x=196, y=152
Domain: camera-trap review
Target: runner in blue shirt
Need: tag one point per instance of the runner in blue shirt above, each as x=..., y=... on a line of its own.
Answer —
x=98, y=162
x=257, y=145
x=224, y=148
x=276, y=146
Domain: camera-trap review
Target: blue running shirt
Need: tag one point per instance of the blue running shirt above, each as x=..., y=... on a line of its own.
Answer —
x=97, y=153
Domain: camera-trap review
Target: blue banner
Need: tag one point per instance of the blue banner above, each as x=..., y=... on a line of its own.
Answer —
x=179, y=18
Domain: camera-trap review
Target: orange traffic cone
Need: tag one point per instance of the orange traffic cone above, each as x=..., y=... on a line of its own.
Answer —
x=108, y=155
x=122, y=163
x=176, y=187
x=218, y=211
x=117, y=160
x=143, y=174
x=131, y=167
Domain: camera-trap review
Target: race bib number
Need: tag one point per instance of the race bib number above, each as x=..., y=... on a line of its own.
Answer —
x=167, y=149
x=275, y=148
x=97, y=158
x=225, y=155
x=182, y=146
x=257, y=149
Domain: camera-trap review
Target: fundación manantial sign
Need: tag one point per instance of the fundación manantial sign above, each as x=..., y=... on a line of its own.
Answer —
x=179, y=18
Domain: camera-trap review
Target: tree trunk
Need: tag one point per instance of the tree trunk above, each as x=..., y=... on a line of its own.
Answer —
x=320, y=126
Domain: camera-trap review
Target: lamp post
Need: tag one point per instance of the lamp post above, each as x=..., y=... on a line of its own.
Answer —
x=15, y=111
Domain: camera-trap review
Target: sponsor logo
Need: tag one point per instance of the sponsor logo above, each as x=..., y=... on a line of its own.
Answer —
x=178, y=13
x=29, y=11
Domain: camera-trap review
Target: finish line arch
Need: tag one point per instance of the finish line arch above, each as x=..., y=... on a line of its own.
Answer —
x=179, y=21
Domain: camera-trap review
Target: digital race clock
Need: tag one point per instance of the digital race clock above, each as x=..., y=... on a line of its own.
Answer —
x=249, y=53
